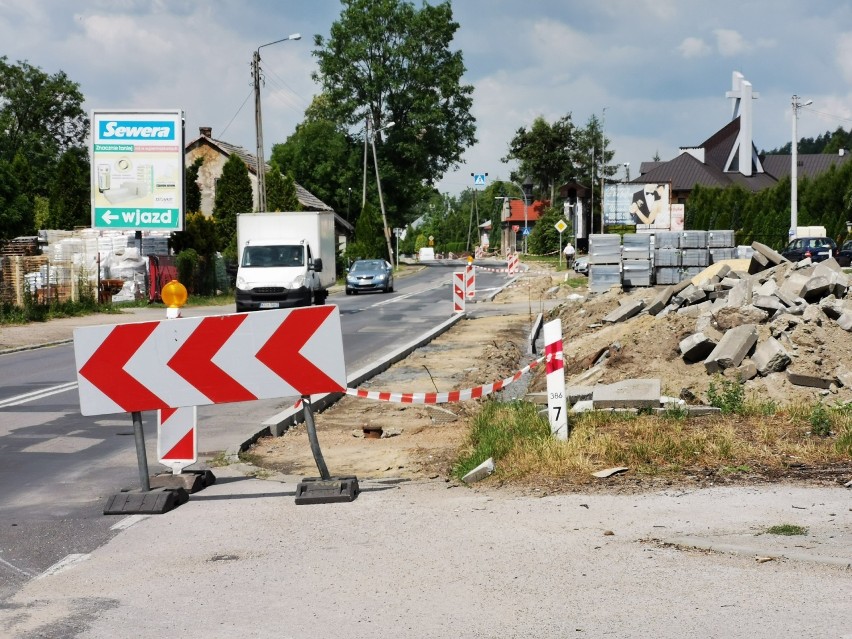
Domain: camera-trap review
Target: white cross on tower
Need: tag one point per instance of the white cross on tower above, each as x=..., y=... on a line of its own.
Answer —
x=743, y=157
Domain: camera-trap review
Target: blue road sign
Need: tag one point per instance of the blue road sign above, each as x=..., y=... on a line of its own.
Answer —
x=479, y=179
x=526, y=230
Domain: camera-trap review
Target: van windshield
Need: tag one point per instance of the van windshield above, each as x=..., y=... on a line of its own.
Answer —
x=273, y=256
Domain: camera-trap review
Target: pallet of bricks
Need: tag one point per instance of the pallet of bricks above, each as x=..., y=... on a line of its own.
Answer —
x=604, y=262
x=636, y=260
x=680, y=255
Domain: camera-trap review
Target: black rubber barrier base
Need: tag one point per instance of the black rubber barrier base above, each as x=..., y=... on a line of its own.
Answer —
x=315, y=490
x=190, y=480
x=154, y=502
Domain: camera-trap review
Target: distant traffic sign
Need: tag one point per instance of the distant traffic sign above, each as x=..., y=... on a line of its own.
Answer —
x=561, y=226
x=479, y=179
x=526, y=230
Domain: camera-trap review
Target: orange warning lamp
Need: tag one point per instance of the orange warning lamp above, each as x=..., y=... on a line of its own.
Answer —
x=174, y=296
x=470, y=259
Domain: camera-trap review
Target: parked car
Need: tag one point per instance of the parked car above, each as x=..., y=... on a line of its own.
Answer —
x=816, y=248
x=369, y=275
x=844, y=255
x=581, y=265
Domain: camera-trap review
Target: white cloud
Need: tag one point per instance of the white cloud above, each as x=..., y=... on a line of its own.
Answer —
x=730, y=43
x=694, y=48
x=844, y=56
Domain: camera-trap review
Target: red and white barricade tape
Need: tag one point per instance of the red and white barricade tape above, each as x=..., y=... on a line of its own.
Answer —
x=442, y=398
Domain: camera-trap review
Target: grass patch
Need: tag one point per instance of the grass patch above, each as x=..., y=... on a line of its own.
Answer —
x=575, y=282
x=787, y=530
x=767, y=439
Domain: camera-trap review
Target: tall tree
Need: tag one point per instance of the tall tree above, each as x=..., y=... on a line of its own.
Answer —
x=323, y=158
x=233, y=196
x=17, y=209
x=41, y=115
x=545, y=152
x=70, y=203
x=191, y=188
x=388, y=61
x=280, y=190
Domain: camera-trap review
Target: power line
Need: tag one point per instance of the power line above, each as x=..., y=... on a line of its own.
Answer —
x=237, y=113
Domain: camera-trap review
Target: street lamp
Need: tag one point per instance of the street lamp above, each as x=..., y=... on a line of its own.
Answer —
x=371, y=133
x=794, y=212
x=258, y=124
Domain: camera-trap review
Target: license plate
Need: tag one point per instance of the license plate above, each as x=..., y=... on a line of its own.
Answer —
x=268, y=305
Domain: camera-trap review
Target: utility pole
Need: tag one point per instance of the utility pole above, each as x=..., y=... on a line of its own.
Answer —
x=381, y=199
x=258, y=125
x=794, y=168
x=258, y=121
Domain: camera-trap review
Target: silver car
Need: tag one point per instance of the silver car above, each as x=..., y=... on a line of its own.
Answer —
x=369, y=275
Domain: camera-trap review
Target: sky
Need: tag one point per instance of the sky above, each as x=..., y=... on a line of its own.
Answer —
x=655, y=72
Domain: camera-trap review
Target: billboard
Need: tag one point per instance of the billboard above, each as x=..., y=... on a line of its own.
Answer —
x=137, y=169
x=647, y=206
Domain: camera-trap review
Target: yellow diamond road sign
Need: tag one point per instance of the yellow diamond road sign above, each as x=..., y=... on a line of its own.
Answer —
x=561, y=226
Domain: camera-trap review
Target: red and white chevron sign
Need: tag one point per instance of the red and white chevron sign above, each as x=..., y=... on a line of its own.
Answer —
x=209, y=360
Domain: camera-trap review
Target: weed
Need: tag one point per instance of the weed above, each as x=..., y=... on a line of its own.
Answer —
x=729, y=396
x=787, y=529
x=730, y=470
x=220, y=460
x=843, y=445
x=498, y=429
x=820, y=420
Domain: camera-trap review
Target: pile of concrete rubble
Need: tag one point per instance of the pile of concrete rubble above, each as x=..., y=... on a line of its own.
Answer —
x=732, y=307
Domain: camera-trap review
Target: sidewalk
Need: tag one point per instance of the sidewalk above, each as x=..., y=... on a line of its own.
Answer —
x=428, y=559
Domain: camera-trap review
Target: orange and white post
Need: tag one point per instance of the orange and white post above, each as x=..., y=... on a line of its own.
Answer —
x=554, y=366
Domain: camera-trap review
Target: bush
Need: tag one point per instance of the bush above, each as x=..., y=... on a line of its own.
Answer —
x=729, y=396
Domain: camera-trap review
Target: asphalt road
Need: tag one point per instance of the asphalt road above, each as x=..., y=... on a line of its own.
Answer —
x=57, y=468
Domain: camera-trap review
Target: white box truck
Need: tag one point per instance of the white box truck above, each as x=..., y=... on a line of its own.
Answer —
x=285, y=260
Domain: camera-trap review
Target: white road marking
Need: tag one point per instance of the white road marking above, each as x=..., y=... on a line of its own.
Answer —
x=406, y=295
x=128, y=521
x=15, y=568
x=38, y=394
x=63, y=564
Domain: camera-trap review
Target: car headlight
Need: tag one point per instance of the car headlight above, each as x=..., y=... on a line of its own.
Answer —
x=299, y=282
x=241, y=282
x=380, y=276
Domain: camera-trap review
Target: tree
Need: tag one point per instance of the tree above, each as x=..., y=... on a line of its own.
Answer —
x=369, y=239
x=70, y=203
x=17, y=210
x=280, y=190
x=323, y=158
x=388, y=61
x=193, y=191
x=233, y=196
x=41, y=115
x=545, y=152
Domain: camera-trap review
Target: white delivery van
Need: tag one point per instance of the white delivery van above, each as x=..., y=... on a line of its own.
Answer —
x=285, y=260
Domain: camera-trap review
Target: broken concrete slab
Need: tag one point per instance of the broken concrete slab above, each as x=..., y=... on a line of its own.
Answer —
x=770, y=357
x=630, y=393
x=740, y=294
x=576, y=394
x=771, y=255
x=730, y=317
x=696, y=310
x=816, y=288
x=768, y=303
x=794, y=285
x=732, y=348
x=625, y=311
x=696, y=347
x=759, y=262
x=660, y=301
x=767, y=288
x=845, y=321
x=813, y=381
x=745, y=371
x=583, y=406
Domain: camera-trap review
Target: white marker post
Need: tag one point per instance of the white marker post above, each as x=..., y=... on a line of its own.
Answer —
x=557, y=410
